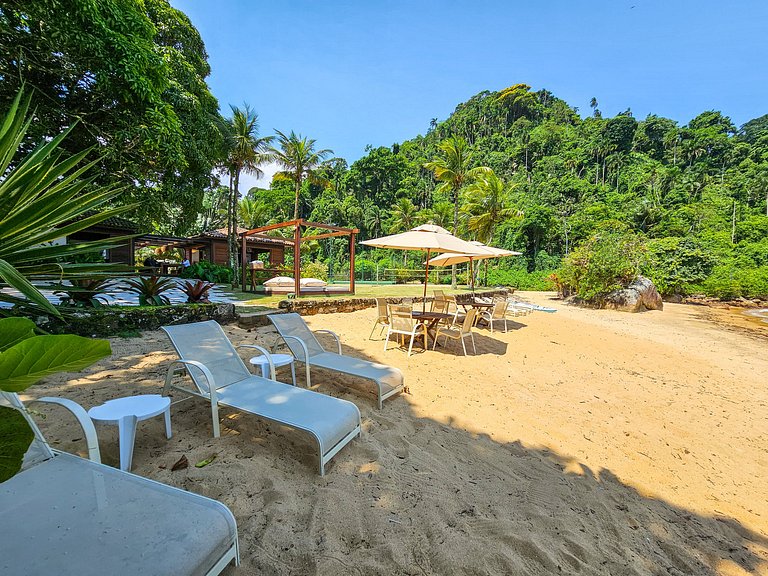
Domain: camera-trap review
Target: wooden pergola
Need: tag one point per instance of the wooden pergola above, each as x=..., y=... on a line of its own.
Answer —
x=297, y=225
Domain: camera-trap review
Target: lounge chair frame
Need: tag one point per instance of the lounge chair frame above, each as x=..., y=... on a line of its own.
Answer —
x=179, y=366
x=232, y=554
x=302, y=354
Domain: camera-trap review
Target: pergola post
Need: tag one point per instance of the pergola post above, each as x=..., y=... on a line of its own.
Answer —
x=242, y=262
x=352, y=262
x=297, y=258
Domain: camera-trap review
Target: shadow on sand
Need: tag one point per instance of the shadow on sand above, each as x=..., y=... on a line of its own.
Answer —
x=414, y=495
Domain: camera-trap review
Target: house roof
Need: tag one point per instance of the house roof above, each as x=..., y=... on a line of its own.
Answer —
x=221, y=234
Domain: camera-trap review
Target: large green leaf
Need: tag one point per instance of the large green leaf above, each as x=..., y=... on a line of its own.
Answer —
x=15, y=279
x=15, y=438
x=27, y=362
x=14, y=330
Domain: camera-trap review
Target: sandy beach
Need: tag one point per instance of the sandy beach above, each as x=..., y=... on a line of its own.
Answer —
x=580, y=442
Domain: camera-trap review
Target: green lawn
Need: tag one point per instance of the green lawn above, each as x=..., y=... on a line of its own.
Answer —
x=361, y=290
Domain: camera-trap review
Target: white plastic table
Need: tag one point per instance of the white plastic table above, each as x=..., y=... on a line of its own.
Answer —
x=126, y=413
x=278, y=360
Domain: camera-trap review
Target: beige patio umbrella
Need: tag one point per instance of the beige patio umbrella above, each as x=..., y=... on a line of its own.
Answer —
x=488, y=252
x=426, y=238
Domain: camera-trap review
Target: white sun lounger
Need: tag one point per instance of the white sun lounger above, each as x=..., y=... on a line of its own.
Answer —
x=221, y=377
x=306, y=348
x=68, y=516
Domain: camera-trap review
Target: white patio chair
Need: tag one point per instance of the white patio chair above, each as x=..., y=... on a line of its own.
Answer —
x=465, y=331
x=402, y=323
x=382, y=317
x=220, y=377
x=306, y=348
x=65, y=515
x=497, y=313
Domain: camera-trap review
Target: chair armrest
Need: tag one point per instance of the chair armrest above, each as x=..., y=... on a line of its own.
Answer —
x=85, y=422
x=303, y=347
x=335, y=336
x=207, y=373
x=266, y=354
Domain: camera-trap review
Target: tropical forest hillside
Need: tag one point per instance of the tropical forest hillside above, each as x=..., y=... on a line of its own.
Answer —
x=692, y=199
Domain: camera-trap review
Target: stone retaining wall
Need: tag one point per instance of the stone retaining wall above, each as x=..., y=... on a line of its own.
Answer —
x=334, y=305
x=111, y=321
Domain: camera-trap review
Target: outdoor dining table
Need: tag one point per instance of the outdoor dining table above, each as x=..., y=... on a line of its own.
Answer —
x=431, y=319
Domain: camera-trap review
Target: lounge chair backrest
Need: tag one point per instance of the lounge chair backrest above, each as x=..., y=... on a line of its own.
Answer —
x=207, y=343
x=401, y=318
x=293, y=325
x=381, y=309
x=39, y=450
x=499, y=309
x=469, y=321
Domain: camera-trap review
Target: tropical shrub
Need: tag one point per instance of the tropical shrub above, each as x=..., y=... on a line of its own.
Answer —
x=521, y=279
x=208, y=271
x=43, y=197
x=674, y=264
x=610, y=259
x=728, y=283
x=197, y=292
x=24, y=359
x=84, y=293
x=151, y=289
x=315, y=270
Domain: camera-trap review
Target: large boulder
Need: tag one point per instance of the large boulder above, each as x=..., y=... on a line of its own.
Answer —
x=639, y=296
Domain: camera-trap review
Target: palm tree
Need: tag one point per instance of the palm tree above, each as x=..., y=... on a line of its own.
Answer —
x=251, y=213
x=403, y=216
x=299, y=160
x=488, y=206
x=454, y=172
x=246, y=153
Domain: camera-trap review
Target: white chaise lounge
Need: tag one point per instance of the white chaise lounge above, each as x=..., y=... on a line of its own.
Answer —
x=68, y=516
x=220, y=376
x=306, y=348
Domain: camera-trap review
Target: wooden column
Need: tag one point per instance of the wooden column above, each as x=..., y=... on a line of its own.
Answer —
x=297, y=258
x=242, y=262
x=352, y=262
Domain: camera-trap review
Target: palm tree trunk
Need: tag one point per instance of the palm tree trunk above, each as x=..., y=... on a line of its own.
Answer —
x=297, y=187
x=232, y=230
x=455, y=230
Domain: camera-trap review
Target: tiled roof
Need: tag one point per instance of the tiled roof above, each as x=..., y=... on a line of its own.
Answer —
x=221, y=233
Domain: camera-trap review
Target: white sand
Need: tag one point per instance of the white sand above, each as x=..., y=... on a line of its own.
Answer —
x=589, y=442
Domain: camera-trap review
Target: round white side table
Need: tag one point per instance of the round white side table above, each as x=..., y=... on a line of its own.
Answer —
x=278, y=360
x=126, y=413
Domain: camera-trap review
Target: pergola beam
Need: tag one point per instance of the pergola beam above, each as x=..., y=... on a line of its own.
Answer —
x=326, y=235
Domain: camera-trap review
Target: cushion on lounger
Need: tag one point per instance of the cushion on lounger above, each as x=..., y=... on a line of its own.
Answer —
x=279, y=281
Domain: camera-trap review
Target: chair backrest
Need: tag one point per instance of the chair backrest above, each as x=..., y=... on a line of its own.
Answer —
x=440, y=305
x=293, y=325
x=382, y=309
x=401, y=318
x=499, y=309
x=39, y=450
x=439, y=294
x=207, y=343
x=469, y=321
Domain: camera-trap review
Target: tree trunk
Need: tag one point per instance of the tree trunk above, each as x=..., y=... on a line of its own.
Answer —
x=297, y=186
x=455, y=230
x=232, y=230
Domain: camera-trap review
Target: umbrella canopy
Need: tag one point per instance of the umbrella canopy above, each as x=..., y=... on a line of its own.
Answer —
x=487, y=252
x=426, y=238
x=426, y=241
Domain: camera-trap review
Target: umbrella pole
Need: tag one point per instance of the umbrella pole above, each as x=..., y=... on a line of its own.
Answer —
x=426, y=279
x=472, y=275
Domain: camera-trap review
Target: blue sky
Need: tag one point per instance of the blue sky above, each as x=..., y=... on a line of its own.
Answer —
x=352, y=73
